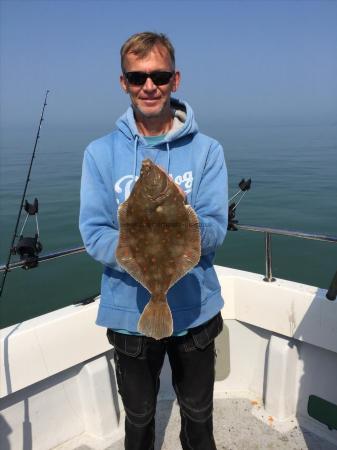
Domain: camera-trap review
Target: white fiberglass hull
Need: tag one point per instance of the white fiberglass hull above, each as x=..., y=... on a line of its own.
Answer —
x=278, y=349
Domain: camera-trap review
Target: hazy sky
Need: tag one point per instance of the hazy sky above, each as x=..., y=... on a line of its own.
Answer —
x=241, y=61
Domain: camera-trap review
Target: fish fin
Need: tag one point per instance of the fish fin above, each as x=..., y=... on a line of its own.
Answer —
x=194, y=251
x=156, y=319
x=192, y=216
x=191, y=255
x=125, y=260
x=123, y=253
x=122, y=210
x=186, y=264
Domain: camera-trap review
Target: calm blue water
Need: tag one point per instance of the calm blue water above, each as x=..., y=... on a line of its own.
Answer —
x=294, y=186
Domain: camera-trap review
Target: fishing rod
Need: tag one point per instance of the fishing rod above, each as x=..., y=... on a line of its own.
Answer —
x=27, y=247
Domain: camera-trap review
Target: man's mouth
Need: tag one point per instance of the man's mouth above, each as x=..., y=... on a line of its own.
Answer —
x=150, y=100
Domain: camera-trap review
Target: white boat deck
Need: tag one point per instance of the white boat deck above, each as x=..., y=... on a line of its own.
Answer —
x=235, y=428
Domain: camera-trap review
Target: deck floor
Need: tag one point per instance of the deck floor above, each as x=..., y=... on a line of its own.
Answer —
x=235, y=428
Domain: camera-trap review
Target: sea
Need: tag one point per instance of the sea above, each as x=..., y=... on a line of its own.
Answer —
x=294, y=187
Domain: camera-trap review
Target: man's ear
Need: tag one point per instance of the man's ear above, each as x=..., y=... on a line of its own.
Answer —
x=176, y=81
x=124, y=84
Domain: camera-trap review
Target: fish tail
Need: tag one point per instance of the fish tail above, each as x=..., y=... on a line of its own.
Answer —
x=156, y=319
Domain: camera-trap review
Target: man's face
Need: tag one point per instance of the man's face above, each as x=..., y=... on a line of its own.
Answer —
x=150, y=100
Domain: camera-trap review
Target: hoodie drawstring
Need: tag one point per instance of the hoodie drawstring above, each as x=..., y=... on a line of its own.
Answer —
x=168, y=157
x=135, y=145
x=135, y=158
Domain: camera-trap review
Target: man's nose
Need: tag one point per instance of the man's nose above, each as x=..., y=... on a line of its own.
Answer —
x=149, y=85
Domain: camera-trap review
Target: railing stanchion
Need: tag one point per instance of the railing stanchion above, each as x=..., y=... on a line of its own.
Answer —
x=268, y=258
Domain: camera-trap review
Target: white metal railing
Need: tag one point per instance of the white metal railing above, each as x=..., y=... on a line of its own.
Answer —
x=268, y=253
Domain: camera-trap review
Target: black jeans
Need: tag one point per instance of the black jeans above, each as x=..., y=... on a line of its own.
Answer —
x=139, y=361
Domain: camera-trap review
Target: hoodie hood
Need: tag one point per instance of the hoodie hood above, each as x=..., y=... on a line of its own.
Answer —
x=182, y=111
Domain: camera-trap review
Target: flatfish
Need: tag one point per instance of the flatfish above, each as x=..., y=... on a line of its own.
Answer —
x=159, y=242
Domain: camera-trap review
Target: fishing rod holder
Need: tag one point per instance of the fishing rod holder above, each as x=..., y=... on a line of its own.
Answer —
x=231, y=218
x=233, y=225
x=28, y=248
x=32, y=208
x=244, y=187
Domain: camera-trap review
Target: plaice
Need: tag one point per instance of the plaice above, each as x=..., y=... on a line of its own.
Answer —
x=159, y=242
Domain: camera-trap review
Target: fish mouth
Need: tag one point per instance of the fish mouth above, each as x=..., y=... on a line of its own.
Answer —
x=147, y=166
x=155, y=183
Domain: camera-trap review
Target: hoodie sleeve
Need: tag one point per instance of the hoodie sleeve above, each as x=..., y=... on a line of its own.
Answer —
x=211, y=203
x=100, y=236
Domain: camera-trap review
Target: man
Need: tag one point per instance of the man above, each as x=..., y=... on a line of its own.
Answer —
x=163, y=129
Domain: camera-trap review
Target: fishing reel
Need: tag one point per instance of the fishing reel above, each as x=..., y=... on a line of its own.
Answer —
x=28, y=248
x=244, y=187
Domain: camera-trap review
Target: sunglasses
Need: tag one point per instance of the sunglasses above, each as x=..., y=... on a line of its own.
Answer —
x=158, y=77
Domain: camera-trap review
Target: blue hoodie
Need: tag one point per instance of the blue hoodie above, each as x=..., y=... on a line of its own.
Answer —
x=110, y=168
